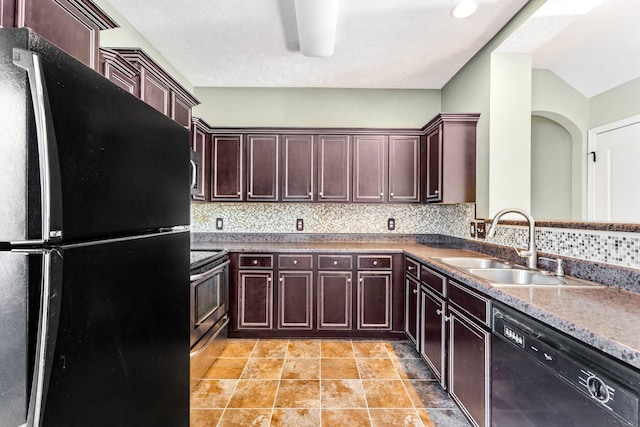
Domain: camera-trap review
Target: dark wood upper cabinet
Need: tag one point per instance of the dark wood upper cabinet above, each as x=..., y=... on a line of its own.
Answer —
x=158, y=89
x=226, y=166
x=404, y=169
x=262, y=167
x=334, y=168
x=298, y=168
x=369, y=168
x=450, y=151
x=200, y=144
x=120, y=71
x=72, y=25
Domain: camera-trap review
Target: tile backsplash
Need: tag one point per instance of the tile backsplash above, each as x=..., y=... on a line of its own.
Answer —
x=328, y=218
x=610, y=247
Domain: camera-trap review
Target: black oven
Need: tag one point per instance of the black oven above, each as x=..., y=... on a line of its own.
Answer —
x=543, y=378
x=209, y=309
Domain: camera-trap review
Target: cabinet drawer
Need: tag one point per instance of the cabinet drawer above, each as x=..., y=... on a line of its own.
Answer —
x=471, y=302
x=374, y=262
x=295, y=262
x=256, y=261
x=412, y=268
x=435, y=281
x=335, y=262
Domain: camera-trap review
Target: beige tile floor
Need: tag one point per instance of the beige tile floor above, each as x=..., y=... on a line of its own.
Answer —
x=321, y=383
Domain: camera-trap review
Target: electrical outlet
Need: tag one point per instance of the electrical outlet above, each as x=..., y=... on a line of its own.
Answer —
x=391, y=224
x=481, y=230
x=300, y=224
x=219, y=223
x=472, y=229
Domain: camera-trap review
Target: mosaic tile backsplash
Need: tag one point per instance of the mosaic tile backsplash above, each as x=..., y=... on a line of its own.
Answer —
x=614, y=248
x=321, y=218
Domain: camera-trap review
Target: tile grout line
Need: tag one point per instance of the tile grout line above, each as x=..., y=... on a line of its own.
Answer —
x=237, y=382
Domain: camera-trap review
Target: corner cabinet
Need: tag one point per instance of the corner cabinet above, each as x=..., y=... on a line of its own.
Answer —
x=450, y=158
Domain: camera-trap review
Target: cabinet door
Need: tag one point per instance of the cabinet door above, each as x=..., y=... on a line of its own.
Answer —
x=298, y=159
x=404, y=169
x=180, y=109
x=334, y=168
x=432, y=333
x=154, y=92
x=72, y=25
x=369, y=168
x=374, y=300
x=411, y=309
x=433, y=149
x=334, y=300
x=227, y=167
x=469, y=367
x=255, y=299
x=262, y=167
x=199, y=145
x=295, y=299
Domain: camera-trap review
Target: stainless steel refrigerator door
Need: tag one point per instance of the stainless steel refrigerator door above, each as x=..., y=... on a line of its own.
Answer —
x=122, y=167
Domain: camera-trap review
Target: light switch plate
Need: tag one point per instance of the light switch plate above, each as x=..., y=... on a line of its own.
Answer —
x=219, y=223
x=481, y=229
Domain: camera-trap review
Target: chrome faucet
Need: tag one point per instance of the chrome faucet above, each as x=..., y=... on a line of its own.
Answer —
x=530, y=253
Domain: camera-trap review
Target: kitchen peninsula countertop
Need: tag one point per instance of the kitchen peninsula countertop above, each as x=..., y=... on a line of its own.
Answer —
x=606, y=318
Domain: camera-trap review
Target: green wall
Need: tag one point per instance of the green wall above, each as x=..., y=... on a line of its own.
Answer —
x=315, y=107
x=616, y=104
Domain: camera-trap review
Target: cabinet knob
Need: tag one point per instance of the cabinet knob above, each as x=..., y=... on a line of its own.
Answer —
x=335, y=262
x=437, y=191
x=310, y=194
x=281, y=279
x=381, y=194
x=375, y=262
x=415, y=291
x=255, y=262
x=320, y=194
x=438, y=312
x=391, y=194
x=295, y=261
x=249, y=193
x=349, y=280
x=361, y=280
x=411, y=267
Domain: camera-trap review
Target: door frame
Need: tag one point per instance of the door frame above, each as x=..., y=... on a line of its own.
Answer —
x=592, y=142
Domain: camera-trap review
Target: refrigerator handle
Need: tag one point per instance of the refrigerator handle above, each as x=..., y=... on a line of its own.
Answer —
x=48, y=319
x=50, y=181
x=194, y=174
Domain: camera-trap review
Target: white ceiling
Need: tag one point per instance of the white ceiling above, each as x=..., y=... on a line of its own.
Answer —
x=412, y=44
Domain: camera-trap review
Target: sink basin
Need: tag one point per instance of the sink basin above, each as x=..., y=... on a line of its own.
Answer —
x=516, y=277
x=469, y=262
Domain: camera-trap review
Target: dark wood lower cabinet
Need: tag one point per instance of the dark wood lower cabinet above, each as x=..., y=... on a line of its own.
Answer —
x=432, y=346
x=334, y=300
x=316, y=295
x=411, y=309
x=374, y=300
x=255, y=299
x=469, y=350
x=295, y=299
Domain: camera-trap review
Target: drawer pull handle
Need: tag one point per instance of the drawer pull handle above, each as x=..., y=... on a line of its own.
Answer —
x=255, y=262
x=295, y=261
x=375, y=262
x=335, y=262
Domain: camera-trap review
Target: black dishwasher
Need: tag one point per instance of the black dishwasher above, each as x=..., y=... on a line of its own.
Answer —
x=543, y=378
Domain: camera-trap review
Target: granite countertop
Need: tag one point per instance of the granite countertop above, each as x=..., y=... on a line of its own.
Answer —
x=606, y=318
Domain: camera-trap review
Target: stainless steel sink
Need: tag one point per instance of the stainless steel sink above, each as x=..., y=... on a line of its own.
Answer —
x=516, y=277
x=470, y=262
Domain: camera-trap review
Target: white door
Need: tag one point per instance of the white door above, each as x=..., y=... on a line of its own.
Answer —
x=614, y=177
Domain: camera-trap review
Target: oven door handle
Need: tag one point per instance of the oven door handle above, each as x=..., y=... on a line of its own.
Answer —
x=209, y=273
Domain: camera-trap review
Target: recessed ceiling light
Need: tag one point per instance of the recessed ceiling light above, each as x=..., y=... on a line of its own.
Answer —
x=464, y=9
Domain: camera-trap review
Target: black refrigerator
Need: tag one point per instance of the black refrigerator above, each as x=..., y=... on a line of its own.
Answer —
x=94, y=248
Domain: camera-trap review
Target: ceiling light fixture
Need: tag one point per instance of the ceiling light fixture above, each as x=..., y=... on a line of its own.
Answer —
x=464, y=9
x=317, y=26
